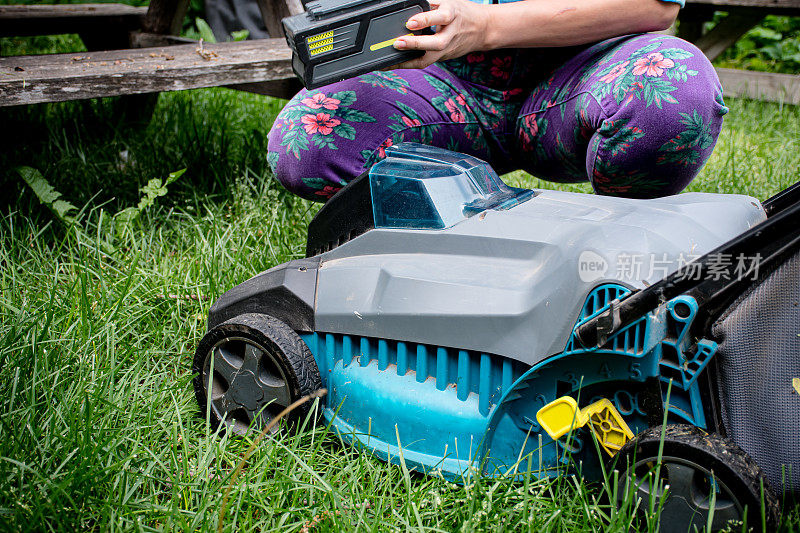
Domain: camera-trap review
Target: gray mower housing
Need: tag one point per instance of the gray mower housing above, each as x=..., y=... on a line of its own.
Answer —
x=504, y=280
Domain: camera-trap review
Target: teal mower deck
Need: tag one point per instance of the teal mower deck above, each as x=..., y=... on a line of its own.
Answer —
x=466, y=328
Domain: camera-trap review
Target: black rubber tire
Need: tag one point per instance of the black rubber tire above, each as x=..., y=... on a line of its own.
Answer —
x=736, y=475
x=286, y=349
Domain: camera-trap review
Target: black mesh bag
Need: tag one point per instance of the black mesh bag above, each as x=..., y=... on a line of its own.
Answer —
x=758, y=366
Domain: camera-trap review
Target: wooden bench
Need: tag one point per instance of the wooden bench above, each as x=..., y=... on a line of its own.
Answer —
x=60, y=77
x=129, y=52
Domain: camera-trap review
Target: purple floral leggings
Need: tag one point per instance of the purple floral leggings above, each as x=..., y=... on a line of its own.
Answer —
x=637, y=116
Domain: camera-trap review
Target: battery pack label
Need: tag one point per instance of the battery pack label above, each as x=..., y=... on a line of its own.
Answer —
x=387, y=42
x=321, y=43
x=326, y=46
x=332, y=40
x=320, y=37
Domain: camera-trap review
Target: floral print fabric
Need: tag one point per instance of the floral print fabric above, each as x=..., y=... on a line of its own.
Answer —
x=637, y=116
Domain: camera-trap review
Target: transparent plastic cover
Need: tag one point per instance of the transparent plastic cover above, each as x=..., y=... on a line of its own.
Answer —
x=423, y=187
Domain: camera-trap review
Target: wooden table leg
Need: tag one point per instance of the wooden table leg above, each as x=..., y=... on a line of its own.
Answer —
x=272, y=11
x=165, y=17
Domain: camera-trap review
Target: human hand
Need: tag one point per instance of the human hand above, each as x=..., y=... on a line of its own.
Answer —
x=461, y=28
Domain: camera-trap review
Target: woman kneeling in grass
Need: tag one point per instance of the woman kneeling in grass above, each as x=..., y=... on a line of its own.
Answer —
x=567, y=90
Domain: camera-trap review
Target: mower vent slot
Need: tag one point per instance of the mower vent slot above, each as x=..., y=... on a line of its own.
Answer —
x=600, y=297
x=468, y=372
x=333, y=244
x=629, y=341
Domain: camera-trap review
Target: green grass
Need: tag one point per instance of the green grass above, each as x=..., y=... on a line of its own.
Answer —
x=98, y=424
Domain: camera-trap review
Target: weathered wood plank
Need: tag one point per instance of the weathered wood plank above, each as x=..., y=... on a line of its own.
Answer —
x=68, y=18
x=61, y=77
x=760, y=85
x=749, y=3
x=783, y=7
x=65, y=11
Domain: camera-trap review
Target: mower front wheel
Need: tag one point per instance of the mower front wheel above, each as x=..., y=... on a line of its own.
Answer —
x=248, y=369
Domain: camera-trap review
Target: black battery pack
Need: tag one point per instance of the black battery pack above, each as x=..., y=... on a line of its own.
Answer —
x=338, y=39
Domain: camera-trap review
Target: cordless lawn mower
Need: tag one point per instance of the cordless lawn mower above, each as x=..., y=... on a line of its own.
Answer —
x=480, y=328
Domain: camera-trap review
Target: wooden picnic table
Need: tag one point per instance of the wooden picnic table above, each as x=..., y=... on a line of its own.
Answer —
x=136, y=51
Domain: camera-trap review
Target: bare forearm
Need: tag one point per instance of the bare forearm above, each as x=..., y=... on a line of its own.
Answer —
x=465, y=27
x=543, y=23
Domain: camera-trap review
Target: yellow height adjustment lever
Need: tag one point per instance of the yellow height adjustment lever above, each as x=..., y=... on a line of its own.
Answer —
x=562, y=415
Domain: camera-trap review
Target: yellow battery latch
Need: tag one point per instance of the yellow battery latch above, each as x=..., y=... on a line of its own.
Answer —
x=562, y=415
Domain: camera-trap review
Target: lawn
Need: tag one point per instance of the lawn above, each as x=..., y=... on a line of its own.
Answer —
x=99, y=318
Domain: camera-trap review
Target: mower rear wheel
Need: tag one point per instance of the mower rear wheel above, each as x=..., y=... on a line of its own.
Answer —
x=702, y=478
x=250, y=368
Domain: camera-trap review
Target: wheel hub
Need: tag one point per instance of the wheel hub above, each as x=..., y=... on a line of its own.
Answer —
x=245, y=390
x=248, y=385
x=688, y=501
